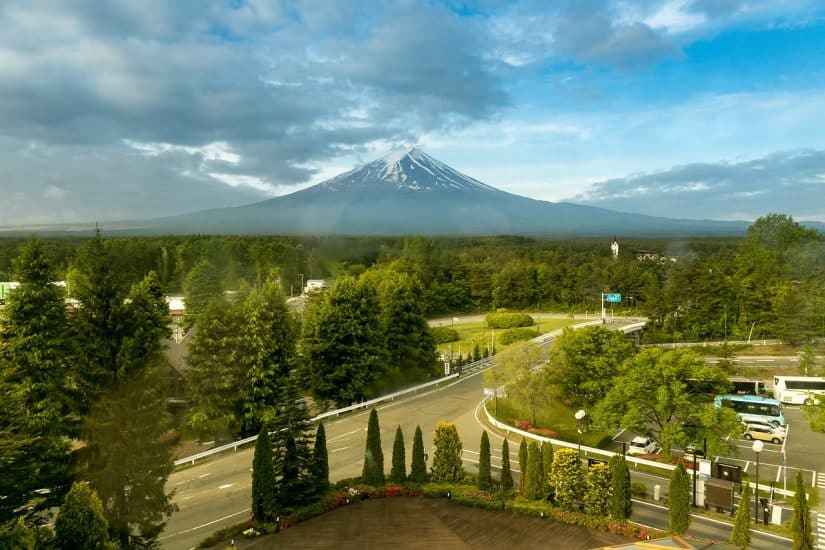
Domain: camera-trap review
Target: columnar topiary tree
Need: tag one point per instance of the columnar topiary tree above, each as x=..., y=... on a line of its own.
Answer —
x=620, y=503
x=565, y=476
x=534, y=482
x=418, y=469
x=598, y=486
x=80, y=522
x=447, y=466
x=506, y=474
x=373, y=471
x=547, y=459
x=319, y=465
x=398, y=474
x=740, y=535
x=679, y=500
x=263, y=478
x=801, y=522
x=522, y=463
x=484, y=477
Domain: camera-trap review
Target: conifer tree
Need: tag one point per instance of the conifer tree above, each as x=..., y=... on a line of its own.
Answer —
x=522, y=463
x=620, y=495
x=546, y=460
x=534, y=486
x=292, y=454
x=801, y=522
x=80, y=522
x=201, y=286
x=263, y=478
x=679, y=500
x=506, y=474
x=447, y=467
x=484, y=476
x=33, y=399
x=373, y=471
x=319, y=467
x=740, y=535
x=418, y=470
x=398, y=473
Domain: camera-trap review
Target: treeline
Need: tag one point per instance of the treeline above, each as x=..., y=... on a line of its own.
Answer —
x=767, y=284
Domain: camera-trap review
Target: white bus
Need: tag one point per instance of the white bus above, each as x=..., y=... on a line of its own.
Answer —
x=798, y=390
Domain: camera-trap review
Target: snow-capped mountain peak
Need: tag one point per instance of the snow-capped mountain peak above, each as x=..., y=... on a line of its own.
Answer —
x=405, y=169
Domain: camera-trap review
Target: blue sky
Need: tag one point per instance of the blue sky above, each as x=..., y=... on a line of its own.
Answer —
x=684, y=108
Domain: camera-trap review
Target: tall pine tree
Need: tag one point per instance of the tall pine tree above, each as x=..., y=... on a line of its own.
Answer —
x=263, y=479
x=484, y=475
x=373, y=471
x=679, y=500
x=34, y=375
x=291, y=443
x=418, y=469
x=801, y=522
x=398, y=473
x=80, y=522
x=506, y=474
x=620, y=505
x=319, y=467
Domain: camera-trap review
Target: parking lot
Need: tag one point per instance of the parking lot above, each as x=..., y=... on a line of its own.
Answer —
x=801, y=450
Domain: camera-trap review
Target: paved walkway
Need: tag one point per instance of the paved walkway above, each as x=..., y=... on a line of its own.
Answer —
x=428, y=524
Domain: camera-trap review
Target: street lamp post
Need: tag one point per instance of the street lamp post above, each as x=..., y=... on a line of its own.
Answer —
x=757, y=448
x=580, y=414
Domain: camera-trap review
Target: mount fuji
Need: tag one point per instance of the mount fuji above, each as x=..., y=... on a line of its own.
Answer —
x=408, y=192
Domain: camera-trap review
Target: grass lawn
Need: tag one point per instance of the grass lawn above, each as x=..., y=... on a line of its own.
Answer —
x=557, y=417
x=477, y=333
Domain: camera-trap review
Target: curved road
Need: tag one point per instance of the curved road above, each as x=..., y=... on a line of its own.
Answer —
x=216, y=494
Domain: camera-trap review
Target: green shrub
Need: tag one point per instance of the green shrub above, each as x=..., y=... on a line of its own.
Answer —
x=638, y=489
x=443, y=335
x=516, y=335
x=508, y=320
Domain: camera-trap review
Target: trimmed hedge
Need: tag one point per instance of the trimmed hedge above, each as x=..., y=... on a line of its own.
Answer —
x=508, y=320
x=517, y=335
x=443, y=335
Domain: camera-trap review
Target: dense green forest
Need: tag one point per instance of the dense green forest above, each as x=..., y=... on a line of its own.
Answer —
x=767, y=284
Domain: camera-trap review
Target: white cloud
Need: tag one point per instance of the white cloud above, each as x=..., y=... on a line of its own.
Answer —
x=253, y=182
x=54, y=192
x=674, y=18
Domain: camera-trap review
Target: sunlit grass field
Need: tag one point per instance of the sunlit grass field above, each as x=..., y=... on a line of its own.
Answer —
x=478, y=333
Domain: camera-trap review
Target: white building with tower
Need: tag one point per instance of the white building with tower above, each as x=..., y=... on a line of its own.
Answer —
x=614, y=247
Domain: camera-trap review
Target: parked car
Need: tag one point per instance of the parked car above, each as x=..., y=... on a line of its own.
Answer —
x=776, y=429
x=764, y=433
x=642, y=446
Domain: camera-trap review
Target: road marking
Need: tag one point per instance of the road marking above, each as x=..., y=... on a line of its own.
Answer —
x=204, y=475
x=343, y=435
x=820, y=480
x=207, y=524
x=820, y=531
x=227, y=486
x=341, y=448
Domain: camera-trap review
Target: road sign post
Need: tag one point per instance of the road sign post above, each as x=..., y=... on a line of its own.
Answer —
x=610, y=297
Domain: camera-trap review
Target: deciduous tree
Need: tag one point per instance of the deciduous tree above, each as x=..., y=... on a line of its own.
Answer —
x=515, y=368
x=566, y=478
x=597, y=489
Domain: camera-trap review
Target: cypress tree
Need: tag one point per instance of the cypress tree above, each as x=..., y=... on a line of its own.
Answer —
x=801, y=522
x=566, y=477
x=620, y=504
x=292, y=451
x=319, y=466
x=740, y=535
x=484, y=476
x=373, y=471
x=80, y=522
x=447, y=467
x=418, y=471
x=398, y=473
x=263, y=478
x=522, y=463
x=597, y=490
x=533, y=486
x=679, y=500
x=506, y=474
x=546, y=460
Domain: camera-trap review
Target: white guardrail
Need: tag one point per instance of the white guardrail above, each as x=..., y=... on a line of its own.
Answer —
x=599, y=452
x=233, y=446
